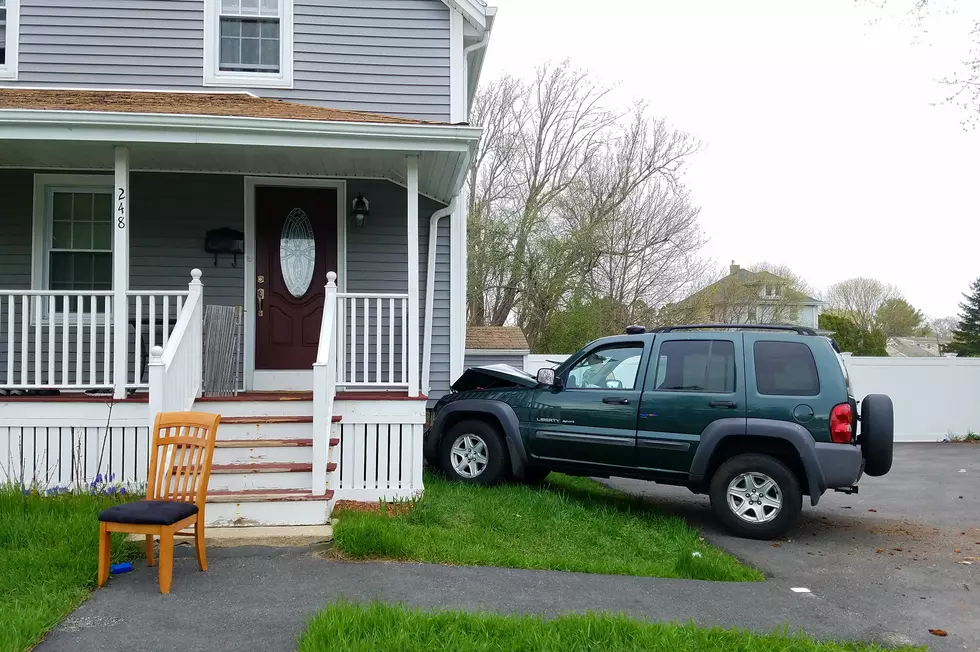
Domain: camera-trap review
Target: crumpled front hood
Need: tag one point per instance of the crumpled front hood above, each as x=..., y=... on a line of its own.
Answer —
x=493, y=376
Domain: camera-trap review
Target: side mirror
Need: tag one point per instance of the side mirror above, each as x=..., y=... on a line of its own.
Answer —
x=547, y=377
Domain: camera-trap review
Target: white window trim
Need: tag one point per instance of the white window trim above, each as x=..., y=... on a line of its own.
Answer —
x=44, y=186
x=8, y=69
x=212, y=44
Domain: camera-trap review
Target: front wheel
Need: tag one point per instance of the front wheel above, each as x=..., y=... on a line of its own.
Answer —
x=756, y=496
x=473, y=452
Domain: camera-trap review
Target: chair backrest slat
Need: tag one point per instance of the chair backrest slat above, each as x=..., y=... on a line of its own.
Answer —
x=180, y=458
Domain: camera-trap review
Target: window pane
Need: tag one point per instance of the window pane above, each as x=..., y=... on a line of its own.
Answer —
x=609, y=368
x=103, y=271
x=82, y=271
x=231, y=6
x=60, y=271
x=62, y=206
x=82, y=207
x=786, y=369
x=270, y=52
x=696, y=366
x=61, y=235
x=250, y=28
x=250, y=51
x=102, y=235
x=230, y=48
x=270, y=29
x=250, y=6
x=102, y=208
x=231, y=27
x=270, y=7
x=81, y=235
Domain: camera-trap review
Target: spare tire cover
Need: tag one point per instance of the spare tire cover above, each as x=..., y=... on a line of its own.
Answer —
x=877, y=436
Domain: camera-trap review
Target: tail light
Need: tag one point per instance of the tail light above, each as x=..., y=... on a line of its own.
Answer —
x=842, y=424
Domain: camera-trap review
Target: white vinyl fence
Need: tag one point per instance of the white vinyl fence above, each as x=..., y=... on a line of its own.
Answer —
x=934, y=397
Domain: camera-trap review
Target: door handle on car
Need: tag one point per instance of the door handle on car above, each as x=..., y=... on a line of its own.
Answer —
x=730, y=405
x=616, y=400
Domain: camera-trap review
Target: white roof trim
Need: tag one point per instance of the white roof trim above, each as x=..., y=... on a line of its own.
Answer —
x=474, y=11
x=497, y=351
x=37, y=124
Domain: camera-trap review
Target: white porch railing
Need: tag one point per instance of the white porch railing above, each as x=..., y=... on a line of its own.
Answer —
x=176, y=370
x=372, y=340
x=324, y=386
x=153, y=317
x=55, y=340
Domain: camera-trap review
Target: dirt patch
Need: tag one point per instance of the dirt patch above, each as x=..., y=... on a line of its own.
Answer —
x=381, y=509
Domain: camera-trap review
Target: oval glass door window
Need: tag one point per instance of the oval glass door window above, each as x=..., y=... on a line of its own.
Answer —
x=297, y=252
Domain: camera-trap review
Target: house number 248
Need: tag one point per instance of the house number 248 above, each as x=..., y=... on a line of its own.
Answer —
x=121, y=209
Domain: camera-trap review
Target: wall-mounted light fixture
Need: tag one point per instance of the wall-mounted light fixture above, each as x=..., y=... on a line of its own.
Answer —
x=360, y=209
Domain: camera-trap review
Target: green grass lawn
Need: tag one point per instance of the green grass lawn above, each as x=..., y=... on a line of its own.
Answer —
x=569, y=524
x=48, y=560
x=380, y=628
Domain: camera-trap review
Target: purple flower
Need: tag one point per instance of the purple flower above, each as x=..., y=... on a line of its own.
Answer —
x=98, y=479
x=27, y=492
x=122, y=491
x=112, y=476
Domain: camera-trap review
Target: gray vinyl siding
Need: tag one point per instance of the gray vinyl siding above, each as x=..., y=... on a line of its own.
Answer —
x=489, y=358
x=386, y=56
x=377, y=261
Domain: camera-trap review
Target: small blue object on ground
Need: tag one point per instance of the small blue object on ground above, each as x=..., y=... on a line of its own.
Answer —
x=124, y=567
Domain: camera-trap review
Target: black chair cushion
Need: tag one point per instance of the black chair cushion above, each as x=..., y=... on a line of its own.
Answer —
x=148, y=512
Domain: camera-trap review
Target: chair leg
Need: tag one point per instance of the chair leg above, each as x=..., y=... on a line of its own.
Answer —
x=105, y=550
x=166, y=560
x=202, y=555
x=149, y=550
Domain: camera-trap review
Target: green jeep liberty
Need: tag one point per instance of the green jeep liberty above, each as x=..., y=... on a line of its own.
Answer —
x=754, y=416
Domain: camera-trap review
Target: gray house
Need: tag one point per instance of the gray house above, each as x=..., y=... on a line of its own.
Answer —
x=299, y=160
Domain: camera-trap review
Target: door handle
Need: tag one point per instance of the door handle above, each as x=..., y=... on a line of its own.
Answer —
x=616, y=400
x=730, y=405
x=260, y=295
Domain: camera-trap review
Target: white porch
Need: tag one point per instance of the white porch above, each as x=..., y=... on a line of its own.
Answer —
x=143, y=347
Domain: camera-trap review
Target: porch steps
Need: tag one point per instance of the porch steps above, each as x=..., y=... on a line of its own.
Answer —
x=270, y=507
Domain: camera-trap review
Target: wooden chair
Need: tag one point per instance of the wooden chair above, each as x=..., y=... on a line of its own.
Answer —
x=177, y=486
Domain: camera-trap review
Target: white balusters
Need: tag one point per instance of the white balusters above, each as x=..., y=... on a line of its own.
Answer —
x=176, y=371
x=151, y=322
x=363, y=318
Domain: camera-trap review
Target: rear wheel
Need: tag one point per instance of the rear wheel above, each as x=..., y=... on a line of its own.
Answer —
x=756, y=496
x=473, y=452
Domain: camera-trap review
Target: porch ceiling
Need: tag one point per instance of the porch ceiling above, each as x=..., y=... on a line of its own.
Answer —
x=438, y=171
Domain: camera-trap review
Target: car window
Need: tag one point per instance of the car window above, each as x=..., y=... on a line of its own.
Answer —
x=785, y=369
x=696, y=366
x=607, y=368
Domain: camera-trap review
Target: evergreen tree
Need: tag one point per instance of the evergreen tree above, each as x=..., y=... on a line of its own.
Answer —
x=966, y=337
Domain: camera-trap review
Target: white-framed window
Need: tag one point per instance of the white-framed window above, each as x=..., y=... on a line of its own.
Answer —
x=248, y=43
x=9, y=38
x=72, y=249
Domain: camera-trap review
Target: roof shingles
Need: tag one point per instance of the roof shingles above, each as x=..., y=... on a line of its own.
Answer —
x=211, y=104
x=495, y=338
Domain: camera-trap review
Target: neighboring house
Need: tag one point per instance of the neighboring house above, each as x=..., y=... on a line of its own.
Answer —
x=915, y=347
x=486, y=345
x=744, y=296
x=262, y=144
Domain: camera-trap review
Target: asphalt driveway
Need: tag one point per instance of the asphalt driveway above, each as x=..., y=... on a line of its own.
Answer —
x=891, y=555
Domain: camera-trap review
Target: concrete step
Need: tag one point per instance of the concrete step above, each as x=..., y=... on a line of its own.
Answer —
x=267, y=508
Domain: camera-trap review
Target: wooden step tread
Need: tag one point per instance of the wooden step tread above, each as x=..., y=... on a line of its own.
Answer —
x=266, y=443
x=266, y=495
x=248, y=397
x=268, y=467
x=264, y=420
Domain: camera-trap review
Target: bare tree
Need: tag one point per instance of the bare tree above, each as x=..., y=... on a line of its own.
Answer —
x=943, y=327
x=860, y=299
x=784, y=271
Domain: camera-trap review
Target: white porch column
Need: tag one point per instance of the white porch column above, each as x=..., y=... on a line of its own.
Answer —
x=457, y=285
x=120, y=273
x=413, y=275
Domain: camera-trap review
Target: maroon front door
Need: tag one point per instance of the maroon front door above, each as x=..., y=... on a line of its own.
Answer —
x=296, y=245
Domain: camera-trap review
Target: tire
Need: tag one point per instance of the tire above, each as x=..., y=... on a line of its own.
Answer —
x=534, y=475
x=488, y=466
x=877, y=438
x=768, y=523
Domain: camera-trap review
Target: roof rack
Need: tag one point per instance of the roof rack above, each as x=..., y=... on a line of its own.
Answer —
x=800, y=330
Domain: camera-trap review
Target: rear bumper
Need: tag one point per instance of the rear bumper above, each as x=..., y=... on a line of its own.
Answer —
x=842, y=465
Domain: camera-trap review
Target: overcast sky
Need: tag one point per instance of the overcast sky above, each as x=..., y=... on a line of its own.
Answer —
x=823, y=147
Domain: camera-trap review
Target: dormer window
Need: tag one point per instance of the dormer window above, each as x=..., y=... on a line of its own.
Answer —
x=249, y=43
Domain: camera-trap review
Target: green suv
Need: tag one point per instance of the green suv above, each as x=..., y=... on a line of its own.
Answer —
x=754, y=416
